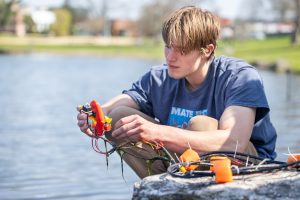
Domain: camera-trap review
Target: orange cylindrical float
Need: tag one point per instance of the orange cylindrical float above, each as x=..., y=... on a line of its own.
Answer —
x=190, y=156
x=293, y=158
x=212, y=161
x=221, y=166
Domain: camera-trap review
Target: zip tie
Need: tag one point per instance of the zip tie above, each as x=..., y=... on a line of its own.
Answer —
x=189, y=145
x=247, y=161
x=262, y=162
x=172, y=159
x=291, y=154
x=176, y=157
x=236, y=168
x=236, y=146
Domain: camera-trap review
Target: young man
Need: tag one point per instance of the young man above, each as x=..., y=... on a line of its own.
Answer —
x=194, y=99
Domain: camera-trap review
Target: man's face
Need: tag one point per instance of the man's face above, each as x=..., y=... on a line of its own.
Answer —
x=182, y=65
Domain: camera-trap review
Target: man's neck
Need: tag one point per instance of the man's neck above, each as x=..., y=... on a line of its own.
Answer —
x=195, y=80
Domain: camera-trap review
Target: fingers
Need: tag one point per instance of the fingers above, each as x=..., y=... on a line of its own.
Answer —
x=128, y=127
x=82, y=122
x=81, y=116
x=89, y=133
x=125, y=120
x=79, y=108
x=81, y=119
x=83, y=127
x=131, y=134
x=124, y=131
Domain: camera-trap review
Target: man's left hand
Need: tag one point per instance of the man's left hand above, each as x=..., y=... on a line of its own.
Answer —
x=135, y=128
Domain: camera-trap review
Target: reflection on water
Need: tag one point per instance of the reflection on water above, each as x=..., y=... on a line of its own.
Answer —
x=42, y=153
x=285, y=110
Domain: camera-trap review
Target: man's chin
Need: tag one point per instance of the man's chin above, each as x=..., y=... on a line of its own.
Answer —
x=174, y=76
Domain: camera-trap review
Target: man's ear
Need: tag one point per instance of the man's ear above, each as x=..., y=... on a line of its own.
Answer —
x=208, y=50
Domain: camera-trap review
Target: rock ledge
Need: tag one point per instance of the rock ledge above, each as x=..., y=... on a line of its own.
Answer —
x=276, y=185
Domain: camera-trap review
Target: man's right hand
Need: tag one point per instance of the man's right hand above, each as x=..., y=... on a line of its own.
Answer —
x=82, y=122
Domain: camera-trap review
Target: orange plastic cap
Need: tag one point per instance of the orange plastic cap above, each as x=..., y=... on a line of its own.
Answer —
x=213, y=159
x=222, y=169
x=190, y=156
x=293, y=158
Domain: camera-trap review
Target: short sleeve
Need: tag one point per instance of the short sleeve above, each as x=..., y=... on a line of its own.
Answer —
x=245, y=88
x=140, y=93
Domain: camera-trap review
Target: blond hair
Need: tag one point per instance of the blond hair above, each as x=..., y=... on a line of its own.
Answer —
x=190, y=28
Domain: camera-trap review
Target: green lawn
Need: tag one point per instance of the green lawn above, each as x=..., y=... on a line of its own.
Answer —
x=143, y=51
x=269, y=50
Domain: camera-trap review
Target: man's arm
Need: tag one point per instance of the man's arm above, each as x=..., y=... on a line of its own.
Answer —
x=120, y=100
x=235, y=127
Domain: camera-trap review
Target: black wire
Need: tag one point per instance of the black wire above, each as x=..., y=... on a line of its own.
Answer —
x=106, y=152
x=269, y=166
x=174, y=171
x=233, y=154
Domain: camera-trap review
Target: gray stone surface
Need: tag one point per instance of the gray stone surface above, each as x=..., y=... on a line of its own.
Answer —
x=276, y=185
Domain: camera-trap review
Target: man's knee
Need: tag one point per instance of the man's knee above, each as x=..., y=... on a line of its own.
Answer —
x=124, y=111
x=202, y=123
x=120, y=112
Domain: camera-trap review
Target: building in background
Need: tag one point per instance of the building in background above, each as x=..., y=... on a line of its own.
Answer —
x=261, y=29
x=115, y=27
x=19, y=25
x=125, y=28
x=43, y=19
x=227, y=28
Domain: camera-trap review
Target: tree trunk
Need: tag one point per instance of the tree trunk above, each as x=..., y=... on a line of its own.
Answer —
x=296, y=32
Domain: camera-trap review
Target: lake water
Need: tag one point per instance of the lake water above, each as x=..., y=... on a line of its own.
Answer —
x=43, y=155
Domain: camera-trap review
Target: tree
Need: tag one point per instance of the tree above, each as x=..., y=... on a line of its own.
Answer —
x=100, y=9
x=289, y=11
x=154, y=13
x=62, y=26
x=282, y=8
x=152, y=17
x=6, y=12
x=256, y=10
x=296, y=32
x=78, y=14
x=30, y=25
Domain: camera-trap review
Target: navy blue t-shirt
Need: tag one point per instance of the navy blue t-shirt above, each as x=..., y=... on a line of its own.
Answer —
x=229, y=82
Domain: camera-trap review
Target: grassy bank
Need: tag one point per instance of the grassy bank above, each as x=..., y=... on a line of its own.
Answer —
x=269, y=50
x=142, y=51
x=81, y=45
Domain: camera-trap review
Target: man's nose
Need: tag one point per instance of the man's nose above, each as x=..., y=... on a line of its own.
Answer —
x=171, y=54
